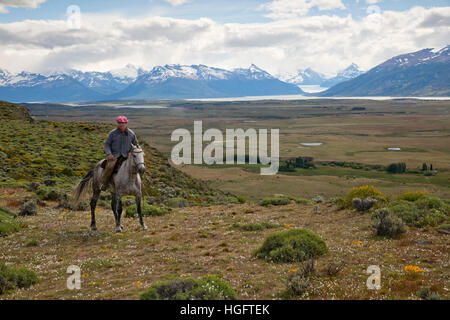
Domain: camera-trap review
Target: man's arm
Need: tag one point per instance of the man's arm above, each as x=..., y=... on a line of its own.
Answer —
x=107, y=144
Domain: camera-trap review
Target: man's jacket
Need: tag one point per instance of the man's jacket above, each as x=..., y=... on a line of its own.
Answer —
x=119, y=143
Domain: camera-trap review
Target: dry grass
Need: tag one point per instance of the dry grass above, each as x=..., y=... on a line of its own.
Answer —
x=198, y=241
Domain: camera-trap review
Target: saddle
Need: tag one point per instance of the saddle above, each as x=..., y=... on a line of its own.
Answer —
x=117, y=165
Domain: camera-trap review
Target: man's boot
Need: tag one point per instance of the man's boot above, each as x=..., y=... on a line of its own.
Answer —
x=107, y=173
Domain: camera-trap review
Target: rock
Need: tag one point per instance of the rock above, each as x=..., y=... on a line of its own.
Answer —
x=29, y=208
x=443, y=231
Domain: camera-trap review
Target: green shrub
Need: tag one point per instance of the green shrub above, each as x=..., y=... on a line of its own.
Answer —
x=241, y=199
x=302, y=201
x=275, y=201
x=386, y=224
x=412, y=195
x=28, y=208
x=177, y=203
x=426, y=294
x=206, y=288
x=8, y=224
x=51, y=194
x=318, y=199
x=292, y=245
x=298, y=281
x=11, y=278
x=147, y=210
x=362, y=192
x=426, y=211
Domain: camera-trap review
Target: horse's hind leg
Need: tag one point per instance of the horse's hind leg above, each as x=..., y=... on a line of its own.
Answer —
x=139, y=210
x=93, y=204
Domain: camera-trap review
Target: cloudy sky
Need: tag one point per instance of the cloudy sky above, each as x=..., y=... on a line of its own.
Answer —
x=279, y=36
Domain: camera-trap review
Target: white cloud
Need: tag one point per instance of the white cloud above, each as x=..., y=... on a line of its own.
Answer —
x=280, y=9
x=325, y=43
x=176, y=2
x=4, y=4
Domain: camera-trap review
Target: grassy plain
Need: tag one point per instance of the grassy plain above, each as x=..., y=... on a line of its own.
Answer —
x=350, y=130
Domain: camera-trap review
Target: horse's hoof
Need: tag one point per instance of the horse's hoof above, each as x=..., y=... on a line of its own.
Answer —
x=93, y=228
x=118, y=229
x=144, y=227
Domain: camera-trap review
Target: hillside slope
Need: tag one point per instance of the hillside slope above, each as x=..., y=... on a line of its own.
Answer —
x=55, y=155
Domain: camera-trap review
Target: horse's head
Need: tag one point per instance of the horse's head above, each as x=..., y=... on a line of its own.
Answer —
x=138, y=158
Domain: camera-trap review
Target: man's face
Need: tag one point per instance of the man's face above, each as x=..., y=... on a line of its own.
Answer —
x=122, y=126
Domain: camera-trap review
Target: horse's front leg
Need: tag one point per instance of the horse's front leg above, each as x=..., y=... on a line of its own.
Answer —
x=139, y=210
x=119, y=212
x=93, y=205
x=114, y=206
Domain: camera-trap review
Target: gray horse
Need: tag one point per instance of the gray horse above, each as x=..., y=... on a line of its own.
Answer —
x=127, y=181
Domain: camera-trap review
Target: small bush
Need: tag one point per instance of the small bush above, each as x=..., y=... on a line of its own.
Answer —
x=241, y=199
x=426, y=211
x=386, y=224
x=207, y=288
x=302, y=201
x=11, y=278
x=177, y=203
x=275, y=201
x=292, y=245
x=363, y=192
x=51, y=194
x=8, y=224
x=29, y=208
x=147, y=210
x=318, y=199
x=298, y=280
x=364, y=204
x=412, y=195
x=426, y=294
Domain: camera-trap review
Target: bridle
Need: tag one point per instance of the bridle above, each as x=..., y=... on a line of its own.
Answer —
x=138, y=150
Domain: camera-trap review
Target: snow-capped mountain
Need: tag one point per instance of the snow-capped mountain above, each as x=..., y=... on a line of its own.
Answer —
x=310, y=77
x=199, y=81
x=27, y=86
x=425, y=56
x=348, y=73
x=162, y=82
x=127, y=72
x=421, y=73
x=304, y=77
x=102, y=82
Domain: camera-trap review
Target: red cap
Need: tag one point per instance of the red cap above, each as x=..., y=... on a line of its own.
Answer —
x=121, y=119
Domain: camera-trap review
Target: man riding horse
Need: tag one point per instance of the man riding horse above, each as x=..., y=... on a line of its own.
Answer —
x=120, y=172
x=117, y=145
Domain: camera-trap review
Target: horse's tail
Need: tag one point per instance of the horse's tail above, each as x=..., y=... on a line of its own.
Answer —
x=83, y=187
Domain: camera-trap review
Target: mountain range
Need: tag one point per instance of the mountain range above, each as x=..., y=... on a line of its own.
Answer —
x=421, y=73
x=162, y=82
x=310, y=77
